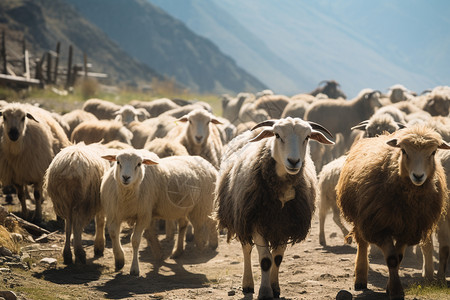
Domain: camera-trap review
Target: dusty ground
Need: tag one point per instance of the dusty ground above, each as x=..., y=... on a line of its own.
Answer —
x=308, y=271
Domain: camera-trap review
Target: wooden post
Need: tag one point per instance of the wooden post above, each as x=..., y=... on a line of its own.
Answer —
x=49, y=67
x=85, y=64
x=24, y=49
x=27, y=65
x=5, y=71
x=55, y=72
x=69, y=67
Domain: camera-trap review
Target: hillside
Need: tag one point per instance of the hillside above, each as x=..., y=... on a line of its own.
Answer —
x=167, y=45
x=45, y=22
x=358, y=43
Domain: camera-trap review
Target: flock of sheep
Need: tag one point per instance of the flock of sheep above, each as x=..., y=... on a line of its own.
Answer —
x=256, y=173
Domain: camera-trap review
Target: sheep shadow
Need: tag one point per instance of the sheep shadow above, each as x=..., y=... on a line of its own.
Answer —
x=72, y=274
x=340, y=249
x=125, y=286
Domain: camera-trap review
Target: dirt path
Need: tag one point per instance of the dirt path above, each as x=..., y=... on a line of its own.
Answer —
x=308, y=271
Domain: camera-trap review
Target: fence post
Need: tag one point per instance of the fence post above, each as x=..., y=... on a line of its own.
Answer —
x=5, y=71
x=69, y=67
x=55, y=72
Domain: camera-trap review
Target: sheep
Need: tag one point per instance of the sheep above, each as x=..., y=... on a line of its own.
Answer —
x=64, y=125
x=443, y=233
x=331, y=89
x=272, y=104
x=75, y=118
x=249, y=113
x=231, y=106
x=165, y=147
x=102, y=109
x=183, y=110
x=328, y=178
x=392, y=190
x=340, y=115
x=199, y=135
x=72, y=181
x=399, y=93
x=295, y=109
x=437, y=102
x=377, y=124
x=101, y=130
x=140, y=186
x=31, y=138
x=155, y=107
x=266, y=193
x=127, y=114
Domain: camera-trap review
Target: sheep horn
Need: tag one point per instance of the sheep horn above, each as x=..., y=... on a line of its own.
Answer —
x=323, y=81
x=361, y=126
x=264, y=123
x=319, y=127
x=401, y=125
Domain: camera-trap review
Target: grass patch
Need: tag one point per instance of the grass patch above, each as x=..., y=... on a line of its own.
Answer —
x=429, y=291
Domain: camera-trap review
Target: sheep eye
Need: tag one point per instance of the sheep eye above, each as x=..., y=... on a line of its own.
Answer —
x=277, y=135
x=404, y=152
x=433, y=153
x=23, y=119
x=118, y=163
x=139, y=164
x=307, y=138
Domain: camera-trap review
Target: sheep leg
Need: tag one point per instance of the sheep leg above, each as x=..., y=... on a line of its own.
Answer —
x=22, y=199
x=393, y=256
x=362, y=263
x=443, y=233
x=277, y=255
x=99, y=241
x=322, y=216
x=338, y=221
x=80, y=254
x=427, y=253
x=67, y=253
x=201, y=232
x=247, y=280
x=135, y=242
x=37, y=192
x=114, y=232
x=152, y=239
x=213, y=235
x=170, y=229
x=265, y=262
x=182, y=226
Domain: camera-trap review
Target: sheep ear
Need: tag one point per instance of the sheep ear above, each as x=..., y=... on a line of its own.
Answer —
x=393, y=143
x=215, y=121
x=183, y=119
x=444, y=146
x=262, y=135
x=320, y=137
x=148, y=161
x=401, y=125
x=317, y=126
x=109, y=157
x=361, y=126
x=30, y=116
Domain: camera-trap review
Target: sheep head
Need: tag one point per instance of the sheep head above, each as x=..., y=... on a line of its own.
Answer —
x=129, y=166
x=290, y=142
x=198, y=127
x=418, y=147
x=15, y=121
x=127, y=114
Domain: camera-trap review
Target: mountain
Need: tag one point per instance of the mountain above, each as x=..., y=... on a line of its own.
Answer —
x=45, y=22
x=165, y=44
x=358, y=43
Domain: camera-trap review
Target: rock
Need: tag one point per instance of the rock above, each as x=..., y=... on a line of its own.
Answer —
x=5, y=251
x=344, y=295
x=231, y=293
x=48, y=261
x=8, y=295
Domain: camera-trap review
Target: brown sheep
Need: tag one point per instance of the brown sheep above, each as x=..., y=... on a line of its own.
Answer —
x=392, y=190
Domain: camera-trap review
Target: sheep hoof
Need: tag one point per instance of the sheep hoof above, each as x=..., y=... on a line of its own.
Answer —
x=248, y=290
x=134, y=272
x=276, y=294
x=9, y=199
x=176, y=254
x=67, y=258
x=80, y=258
x=98, y=252
x=360, y=286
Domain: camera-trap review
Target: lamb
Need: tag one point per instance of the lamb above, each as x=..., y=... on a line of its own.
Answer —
x=328, y=179
x=266, y=193
x=31, y=138
x=155, y=107
x=102, y=109
x=101, y=130
x=72, y=181
x=443, y=233
x=199, y=135
x=75, y=118
x=340, y=115
x=395, y=200
x=140, y=186
x=331, y=89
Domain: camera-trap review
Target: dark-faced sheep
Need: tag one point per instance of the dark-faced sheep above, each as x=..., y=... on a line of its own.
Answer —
x=31, y=138
x=392, y=190
x=331, y=89
x=266, y=194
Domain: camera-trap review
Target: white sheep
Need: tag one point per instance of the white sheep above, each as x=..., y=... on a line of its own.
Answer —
x=328, y=179
x=155, y=107
x=150, y=129
x=72, y=181
x=266, y=194
x=101, y=130
x=392, y=190
x=140, y=186
x=31, y=138
x=127, y=114
x=272, y=104
x=75, y=118
x=200, y=135
x=102, y=109
x=231, y=106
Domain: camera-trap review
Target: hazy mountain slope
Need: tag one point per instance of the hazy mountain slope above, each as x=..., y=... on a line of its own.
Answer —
x=209, y=20
x=165, y=44
x=45, y=22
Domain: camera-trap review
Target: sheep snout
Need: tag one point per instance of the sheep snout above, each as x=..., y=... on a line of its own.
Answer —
x=417, y=179
x=13, y=134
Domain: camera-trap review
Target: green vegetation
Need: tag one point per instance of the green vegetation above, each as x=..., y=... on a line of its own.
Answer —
x=429, y=291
